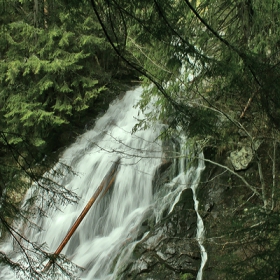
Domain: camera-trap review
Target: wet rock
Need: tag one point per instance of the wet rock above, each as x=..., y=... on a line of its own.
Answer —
x=170, y=248
x=161, y=175
x=166, y=170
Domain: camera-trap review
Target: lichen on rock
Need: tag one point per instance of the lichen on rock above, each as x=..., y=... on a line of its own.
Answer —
x=241, y=159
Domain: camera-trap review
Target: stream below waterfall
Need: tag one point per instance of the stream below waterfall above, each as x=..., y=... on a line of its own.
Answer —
x=106, y=237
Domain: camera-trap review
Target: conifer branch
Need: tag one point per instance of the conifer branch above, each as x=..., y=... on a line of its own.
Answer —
x=138, y=68
x=243, y=56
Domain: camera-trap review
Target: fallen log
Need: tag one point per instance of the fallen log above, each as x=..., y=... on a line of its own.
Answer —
x=103, y=188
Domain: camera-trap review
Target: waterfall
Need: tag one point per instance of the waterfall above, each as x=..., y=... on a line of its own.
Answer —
x=109, y=232
x=200, y=226
x=190, y=176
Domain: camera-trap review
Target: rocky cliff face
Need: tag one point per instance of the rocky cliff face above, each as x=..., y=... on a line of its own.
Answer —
x=224, y=199
x=170, y=250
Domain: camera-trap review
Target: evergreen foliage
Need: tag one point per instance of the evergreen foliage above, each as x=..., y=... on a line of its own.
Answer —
x=214, y=66
x=55, y=64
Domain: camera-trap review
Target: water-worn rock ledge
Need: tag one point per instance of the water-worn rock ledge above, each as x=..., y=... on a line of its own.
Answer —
x=170, y=250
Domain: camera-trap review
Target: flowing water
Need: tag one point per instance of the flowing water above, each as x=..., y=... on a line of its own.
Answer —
x=109, y=232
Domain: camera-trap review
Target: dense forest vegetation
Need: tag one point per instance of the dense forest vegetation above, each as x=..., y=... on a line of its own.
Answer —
x=214, y=66
x=215, y=70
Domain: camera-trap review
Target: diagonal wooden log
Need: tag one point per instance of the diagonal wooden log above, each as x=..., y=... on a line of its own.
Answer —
x=111, y=175
x=247, y=105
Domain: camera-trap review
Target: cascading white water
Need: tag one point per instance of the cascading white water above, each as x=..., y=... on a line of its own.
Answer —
x=113, y=223
x=188, y=177
x=200, y=225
